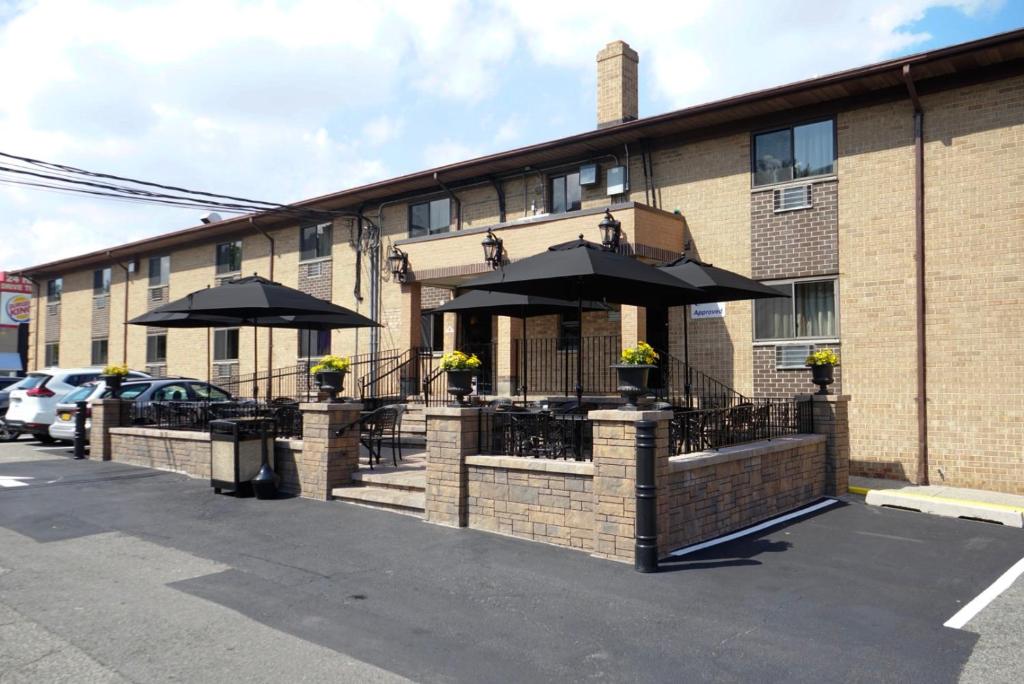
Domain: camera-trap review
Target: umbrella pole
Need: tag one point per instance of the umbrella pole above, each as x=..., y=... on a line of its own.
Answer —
x=255, y=364
x=579, y=352
x=686, y=357
x=308, y=345
x=522, y=353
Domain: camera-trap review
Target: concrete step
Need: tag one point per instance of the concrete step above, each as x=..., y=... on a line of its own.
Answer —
x=385, y=498
x=412, y=479
x=954, y=502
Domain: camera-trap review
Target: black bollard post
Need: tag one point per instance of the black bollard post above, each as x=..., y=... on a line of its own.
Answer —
x=80, y=412
x=646, y=553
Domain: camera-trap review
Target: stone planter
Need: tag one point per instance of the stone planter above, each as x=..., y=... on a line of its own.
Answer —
x=632, y=382
x=113, y=382
x=331, y=382
x=823, y=376
x=460, y=383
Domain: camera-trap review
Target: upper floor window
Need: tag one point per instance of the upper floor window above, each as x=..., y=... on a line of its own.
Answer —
x=159, y=270
x=565, y=193
x=809, y=312
x=54, y=288
x=229, y=257
x=52, y=354
x=314, y=343
x=156, y=348
x=99, y=352
x=426, y=218
x=795, y=152
x=225, y=344
x=101, y=281
x=315, y=241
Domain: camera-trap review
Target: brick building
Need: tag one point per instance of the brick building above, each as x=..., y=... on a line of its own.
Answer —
x=886, y=200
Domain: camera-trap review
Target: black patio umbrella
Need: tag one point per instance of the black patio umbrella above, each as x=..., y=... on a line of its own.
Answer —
x=518, y=306
x=581, y=270
x=719, y=285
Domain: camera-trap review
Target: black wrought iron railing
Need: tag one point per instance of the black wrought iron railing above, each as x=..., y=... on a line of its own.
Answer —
x=547, y=365
x=702, y=429
x=435, y=382
x=536, y=435
x=683, y=385
x=196, y=415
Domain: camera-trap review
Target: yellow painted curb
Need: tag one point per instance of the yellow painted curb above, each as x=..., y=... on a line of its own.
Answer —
x=966, y=502
x=863, y=491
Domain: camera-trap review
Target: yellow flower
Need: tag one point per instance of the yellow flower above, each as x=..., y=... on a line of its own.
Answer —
x=115, y=369
x=642, y=354
x=822, y=357
x=331, y=363
x=457, y=360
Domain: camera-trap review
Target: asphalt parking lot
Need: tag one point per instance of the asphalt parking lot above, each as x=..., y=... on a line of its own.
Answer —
x=124, y=573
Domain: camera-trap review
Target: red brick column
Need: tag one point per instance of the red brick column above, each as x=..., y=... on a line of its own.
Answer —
x=327, y=460
x=106, y=414
x=615, y=478
x=831, y=418
x=452, y=434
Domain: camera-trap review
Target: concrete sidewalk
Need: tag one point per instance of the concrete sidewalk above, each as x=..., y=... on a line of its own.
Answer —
x=955, y=502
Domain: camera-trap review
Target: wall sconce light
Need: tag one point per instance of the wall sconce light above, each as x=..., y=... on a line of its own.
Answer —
x=398, y=263
x=611, y=231
x=494, y=250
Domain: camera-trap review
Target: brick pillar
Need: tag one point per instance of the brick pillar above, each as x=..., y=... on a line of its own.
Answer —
x=106, y=414
x=327, y=460
x=831, y=418
x=451, y=324
x=409, y=335
x=452, y=434
x=615, y=479
x=633, y=325
x=507, y=364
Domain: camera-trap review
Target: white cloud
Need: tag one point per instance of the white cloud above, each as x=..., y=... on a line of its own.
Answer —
x=447, y=152
x=383, y=129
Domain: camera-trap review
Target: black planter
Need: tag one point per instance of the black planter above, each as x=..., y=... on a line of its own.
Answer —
x=823, y=376
x=460, y=383
x=113, y=382
x=331, y=382
x=632, y=382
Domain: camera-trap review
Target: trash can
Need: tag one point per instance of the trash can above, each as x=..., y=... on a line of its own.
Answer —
x=236, y=453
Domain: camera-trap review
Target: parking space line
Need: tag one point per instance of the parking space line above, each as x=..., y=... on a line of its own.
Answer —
x=756, y=528
x=978, y=603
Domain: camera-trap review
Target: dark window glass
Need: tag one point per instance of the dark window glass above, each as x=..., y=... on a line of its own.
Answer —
x=131, y=391
x=809, y=312
x=156, y=348
x=229, y=257
x=426, y=218
x=565, y=193
x=225, y=344
x=798, y=152
x=81, y=379
x=159, y=270
x=569, y=331
x=432, y=331
x=54, y=288
x=53, y=354
x=99, y=352
x=204, y=391
x=101, y=281
x=315, y=241
x=173, y=392
x=35, y=380
x=80, y=394
x=314, y=343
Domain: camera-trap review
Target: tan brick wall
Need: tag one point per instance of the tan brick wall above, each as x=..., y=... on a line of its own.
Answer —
x=182, y=452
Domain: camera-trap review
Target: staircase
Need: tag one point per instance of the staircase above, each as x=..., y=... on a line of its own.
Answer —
x=400, y=489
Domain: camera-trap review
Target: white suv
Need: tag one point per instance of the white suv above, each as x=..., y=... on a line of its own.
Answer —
x=33, y=404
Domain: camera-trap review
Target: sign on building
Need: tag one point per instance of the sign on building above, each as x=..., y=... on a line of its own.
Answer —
x=15, y=301
x=709, y=310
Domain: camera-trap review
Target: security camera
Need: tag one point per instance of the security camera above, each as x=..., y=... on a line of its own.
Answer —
x=211, y=217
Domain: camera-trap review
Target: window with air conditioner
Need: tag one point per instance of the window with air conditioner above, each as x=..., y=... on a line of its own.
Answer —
x=315, y=241
x=225, y=344
x=792, y=197
x=794, y=152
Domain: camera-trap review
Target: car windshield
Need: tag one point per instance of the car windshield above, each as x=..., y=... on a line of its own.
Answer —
x=80, y=394
x=33, y=381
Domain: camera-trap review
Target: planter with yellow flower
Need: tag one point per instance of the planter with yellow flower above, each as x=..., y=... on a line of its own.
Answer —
x=330, y=374
x=823, y=363
x=460, y=367
x=636, y=364
x=113, y=375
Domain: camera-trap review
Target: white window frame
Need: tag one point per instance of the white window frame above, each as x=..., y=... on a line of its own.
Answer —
x=831, y=339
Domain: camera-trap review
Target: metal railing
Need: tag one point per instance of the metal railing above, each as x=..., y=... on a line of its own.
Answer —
x=551, y=364
x=196, y=415
x=536, y=435
x=683, y=385
x=701, y=429
x=435, y=382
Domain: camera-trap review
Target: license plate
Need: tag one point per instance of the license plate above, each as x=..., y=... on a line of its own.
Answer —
x=65, y=416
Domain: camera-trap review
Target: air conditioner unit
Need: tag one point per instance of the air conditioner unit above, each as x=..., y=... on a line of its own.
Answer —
x=617, y=182
x=588, y=174
x=793, y=197
x=789, y=356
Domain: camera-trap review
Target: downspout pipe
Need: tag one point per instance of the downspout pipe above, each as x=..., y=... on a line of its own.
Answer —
x=499, y=189
x=270, y=331
x=922, y=340
x=124, y=321
x=458, y=204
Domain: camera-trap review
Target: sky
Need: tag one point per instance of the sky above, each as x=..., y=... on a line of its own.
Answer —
x=281, y=101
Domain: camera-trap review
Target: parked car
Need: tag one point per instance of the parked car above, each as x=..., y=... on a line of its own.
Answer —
x=8, y=434
x=33, y=404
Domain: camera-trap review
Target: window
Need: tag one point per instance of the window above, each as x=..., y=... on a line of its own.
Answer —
x=565, y=193
x=159, y=270
x=99, y=352
x=173, y=392
x=205, y=391
x=52, y=354
x=229, y=257
x=156, y=348
x=101, y=281
x=314, y=343
x=130, y=391
x=432, y=331
x=80, y=379
x=569, y=331
x=54, y=288
x=797, y=152
x=315, y=241
x=225, y=344
x=80, y=394
x=809, y=312
x=427, y=218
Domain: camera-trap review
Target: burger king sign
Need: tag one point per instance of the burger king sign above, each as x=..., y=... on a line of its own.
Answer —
x=15, y=308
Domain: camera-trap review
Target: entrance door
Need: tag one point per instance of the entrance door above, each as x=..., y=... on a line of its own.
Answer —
x=657, y=337
x=475, y=334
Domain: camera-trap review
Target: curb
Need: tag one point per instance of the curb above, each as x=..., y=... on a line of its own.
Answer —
x=1003, y=514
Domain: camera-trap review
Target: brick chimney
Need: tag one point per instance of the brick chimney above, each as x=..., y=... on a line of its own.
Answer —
x=616, y=84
